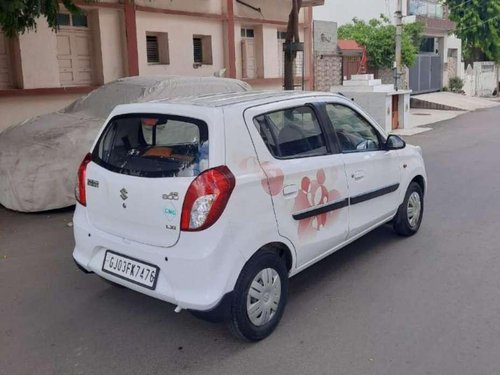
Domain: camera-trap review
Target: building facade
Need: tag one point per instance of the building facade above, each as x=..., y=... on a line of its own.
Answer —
x=440, y=56
x=43, y=71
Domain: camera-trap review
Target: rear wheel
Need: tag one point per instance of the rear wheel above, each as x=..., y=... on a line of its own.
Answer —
x=259, y=297
x=409, y=216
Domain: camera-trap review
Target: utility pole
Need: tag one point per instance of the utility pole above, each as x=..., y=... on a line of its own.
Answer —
x=399, y=32
x=292, y=44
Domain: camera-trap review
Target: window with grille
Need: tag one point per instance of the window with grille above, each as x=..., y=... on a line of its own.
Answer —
x=202, y=49
x=63, y=19
x=281, y=35
x=197, y=50
x=247, y=33
x=79, y=20
x=157, y=48
x=152, y=49
x=75, y=20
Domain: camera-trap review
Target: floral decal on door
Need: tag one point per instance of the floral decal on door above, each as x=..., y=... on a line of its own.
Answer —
x=314, y=193
x=272, y=179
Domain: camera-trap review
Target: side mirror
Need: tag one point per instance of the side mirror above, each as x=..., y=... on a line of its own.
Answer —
x=394, y=142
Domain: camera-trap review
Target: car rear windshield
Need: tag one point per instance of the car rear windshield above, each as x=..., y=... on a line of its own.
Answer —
x=151, y=145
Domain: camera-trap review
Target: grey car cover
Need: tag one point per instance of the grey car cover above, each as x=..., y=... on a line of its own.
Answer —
x=39, y=157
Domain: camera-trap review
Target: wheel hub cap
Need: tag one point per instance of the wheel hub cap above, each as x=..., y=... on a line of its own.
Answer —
x=263, y=297
x=414, y=209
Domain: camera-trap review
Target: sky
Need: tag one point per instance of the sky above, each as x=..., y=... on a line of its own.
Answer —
x=343, y=11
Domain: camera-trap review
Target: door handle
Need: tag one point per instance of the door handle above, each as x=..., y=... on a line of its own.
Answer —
x=290, y=190
x=358, y=175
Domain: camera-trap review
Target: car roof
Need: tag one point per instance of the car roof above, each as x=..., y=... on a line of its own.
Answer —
x=248, y=98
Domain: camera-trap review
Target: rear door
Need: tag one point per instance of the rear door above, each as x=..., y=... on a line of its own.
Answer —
x=306, y=177
x=373, y=173
x=142, y=167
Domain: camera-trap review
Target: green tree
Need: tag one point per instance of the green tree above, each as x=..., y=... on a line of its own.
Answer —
x=478, y=25
x=378, y=36
x=19, y=16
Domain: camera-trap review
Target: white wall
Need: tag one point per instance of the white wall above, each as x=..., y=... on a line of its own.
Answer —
x=38, y=56
x=19, y=108
x=452, y=42
x=270, y=51
x=180, y=40
x=112, y=44
x=237, y=42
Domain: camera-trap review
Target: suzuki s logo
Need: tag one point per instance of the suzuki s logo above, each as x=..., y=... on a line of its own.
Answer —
x=124, y=193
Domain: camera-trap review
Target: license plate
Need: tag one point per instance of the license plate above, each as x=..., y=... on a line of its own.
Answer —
x=130, y=269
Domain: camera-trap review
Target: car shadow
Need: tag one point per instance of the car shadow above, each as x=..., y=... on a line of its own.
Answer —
x=180, y=341
x=368, y=245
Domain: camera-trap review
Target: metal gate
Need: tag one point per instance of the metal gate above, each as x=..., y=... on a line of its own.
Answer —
x=427, y=74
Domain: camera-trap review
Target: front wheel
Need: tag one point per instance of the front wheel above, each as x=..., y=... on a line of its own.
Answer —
x=259, y=297
x=409, y=215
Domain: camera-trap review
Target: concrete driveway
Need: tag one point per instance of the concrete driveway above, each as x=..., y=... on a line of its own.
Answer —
x=384, y=305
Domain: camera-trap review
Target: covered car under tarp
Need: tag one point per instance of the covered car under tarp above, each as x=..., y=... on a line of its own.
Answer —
x=39, y=157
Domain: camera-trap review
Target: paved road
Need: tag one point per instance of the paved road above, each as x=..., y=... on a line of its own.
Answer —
x=383, y=305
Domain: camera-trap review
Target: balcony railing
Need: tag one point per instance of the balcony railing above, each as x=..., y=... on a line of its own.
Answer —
x=427, y=8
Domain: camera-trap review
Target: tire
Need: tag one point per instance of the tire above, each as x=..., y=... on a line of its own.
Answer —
x=268, y=270
x=405, y=223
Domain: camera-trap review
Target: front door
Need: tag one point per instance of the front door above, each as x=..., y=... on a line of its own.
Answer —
x=306, y=179
x=395, y=111
x=75, y=52
x=248, y=58
x=351, y=65
x=373, y=174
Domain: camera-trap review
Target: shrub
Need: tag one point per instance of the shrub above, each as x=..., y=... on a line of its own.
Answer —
x=456, y=84
x=378, y=37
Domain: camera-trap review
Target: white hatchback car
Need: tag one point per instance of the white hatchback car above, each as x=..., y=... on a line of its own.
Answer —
x=212, y=203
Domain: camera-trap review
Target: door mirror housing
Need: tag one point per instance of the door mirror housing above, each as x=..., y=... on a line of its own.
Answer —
x=394, y=142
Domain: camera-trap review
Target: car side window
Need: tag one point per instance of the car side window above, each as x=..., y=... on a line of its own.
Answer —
x=354, y=133
x=292, y=133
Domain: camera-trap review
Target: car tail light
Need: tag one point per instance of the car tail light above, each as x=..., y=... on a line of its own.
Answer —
x=81, y=180
x=206, y=198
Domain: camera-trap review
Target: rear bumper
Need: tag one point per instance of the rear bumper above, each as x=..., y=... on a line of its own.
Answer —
x=195, y=274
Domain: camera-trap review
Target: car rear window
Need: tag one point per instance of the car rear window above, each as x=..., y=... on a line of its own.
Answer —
x=151, y=145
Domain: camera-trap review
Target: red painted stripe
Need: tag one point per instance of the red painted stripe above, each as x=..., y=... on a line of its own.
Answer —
x=263, y=21
x=86, y=4
x=142, y=8
x=47, y=91
x=309, y=46
x=131, y=36
x=231, y=47
x=264, y=81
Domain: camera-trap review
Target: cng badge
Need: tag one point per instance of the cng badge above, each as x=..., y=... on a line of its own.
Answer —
x=170, y=211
